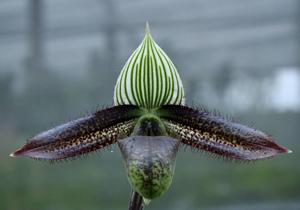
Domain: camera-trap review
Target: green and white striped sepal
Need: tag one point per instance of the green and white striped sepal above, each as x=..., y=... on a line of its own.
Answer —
x=149, y=79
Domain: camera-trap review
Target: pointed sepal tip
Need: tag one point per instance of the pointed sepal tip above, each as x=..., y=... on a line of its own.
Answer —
x=147, y=28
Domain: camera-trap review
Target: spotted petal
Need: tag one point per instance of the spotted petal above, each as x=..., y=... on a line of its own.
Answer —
x=212, y=133
x=81, y=136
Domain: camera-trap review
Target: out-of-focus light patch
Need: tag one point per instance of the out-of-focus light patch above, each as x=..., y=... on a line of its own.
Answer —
x=242, y=95
x=285, y=90
x=279, y=92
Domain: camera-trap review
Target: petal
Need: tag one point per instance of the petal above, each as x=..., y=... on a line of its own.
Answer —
x=212, y=133
x=81, y=136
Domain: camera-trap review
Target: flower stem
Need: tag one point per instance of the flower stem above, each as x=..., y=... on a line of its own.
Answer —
x=136, y=201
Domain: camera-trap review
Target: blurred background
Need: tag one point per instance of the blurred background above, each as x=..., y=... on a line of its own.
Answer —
x=59, y=59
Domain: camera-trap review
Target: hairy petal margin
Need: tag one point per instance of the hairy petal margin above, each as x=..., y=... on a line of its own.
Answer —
x=83, y=135
x=212, y=133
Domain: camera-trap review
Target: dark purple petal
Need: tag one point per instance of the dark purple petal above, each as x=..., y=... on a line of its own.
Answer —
x=81, y=136
x=212, y=133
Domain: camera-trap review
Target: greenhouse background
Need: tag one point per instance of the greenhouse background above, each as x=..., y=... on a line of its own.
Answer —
x=59, y=60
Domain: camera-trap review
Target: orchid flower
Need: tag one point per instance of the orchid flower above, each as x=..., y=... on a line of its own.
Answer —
x=149, y=122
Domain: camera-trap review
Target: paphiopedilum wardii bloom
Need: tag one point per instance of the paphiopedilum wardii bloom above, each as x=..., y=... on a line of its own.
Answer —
x=149, y=122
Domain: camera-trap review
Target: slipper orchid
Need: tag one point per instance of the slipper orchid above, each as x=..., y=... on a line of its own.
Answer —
x=149, y=122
